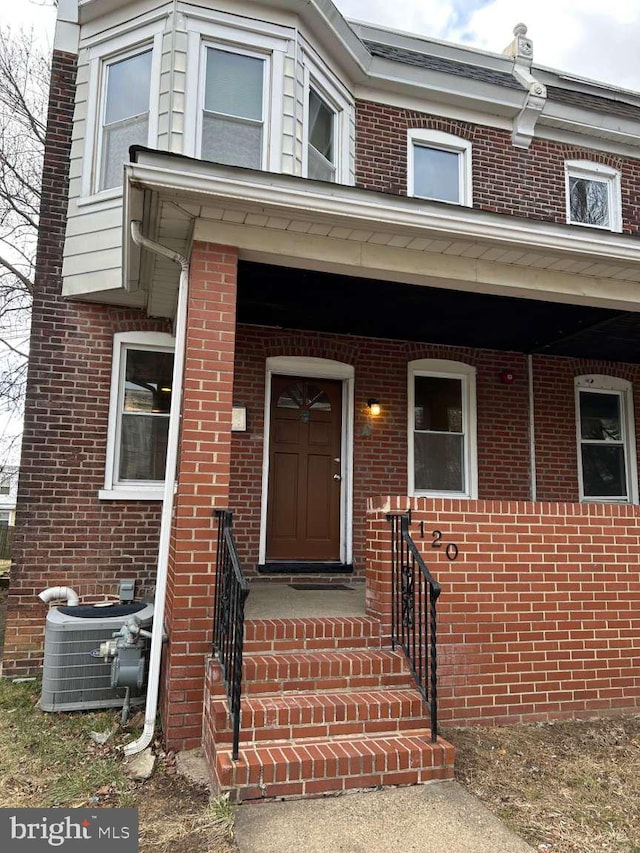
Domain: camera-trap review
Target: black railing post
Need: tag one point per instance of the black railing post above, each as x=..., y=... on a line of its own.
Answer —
x=414, y=620
x=231, y=591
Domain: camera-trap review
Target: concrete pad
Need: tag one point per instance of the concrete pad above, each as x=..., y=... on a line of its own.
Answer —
x=436, y=818
x=192, y=764
x=280, y=601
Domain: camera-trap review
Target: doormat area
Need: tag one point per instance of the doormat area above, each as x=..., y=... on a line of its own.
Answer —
x=321, y=586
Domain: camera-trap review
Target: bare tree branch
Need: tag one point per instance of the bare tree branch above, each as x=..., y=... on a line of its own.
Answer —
x=24, y=88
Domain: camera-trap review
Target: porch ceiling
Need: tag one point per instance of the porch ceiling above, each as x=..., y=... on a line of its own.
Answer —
x=301, y=224
x=317, y=301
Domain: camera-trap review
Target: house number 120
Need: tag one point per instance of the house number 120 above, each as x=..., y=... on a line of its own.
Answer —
x=451, y=549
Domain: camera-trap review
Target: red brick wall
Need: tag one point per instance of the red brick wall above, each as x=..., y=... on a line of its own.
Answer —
x=203, y=483
x=539, y=617
x=517, y=181
x=380, y=458
x=64, y=534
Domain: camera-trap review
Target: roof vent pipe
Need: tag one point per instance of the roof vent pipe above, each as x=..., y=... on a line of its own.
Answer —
x=57, y=593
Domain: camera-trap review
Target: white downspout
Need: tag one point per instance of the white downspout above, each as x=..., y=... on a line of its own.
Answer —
x=532, y=432
x=173, y=438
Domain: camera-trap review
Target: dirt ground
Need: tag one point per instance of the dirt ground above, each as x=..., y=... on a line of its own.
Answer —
x=570, y=787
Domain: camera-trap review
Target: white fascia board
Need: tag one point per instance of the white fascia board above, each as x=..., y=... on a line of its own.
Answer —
x=590, y=124
x=388, y=75
x=300, y=197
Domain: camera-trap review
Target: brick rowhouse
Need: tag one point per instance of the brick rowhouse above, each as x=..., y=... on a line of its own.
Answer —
x=515, y=181
x=64, y=534
x=203, y=484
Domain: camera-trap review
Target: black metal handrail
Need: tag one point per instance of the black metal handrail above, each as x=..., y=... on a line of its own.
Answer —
x=231, y=591
x=413, y=607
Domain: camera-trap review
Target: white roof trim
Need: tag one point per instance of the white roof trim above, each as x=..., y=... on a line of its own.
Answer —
x=361, y=208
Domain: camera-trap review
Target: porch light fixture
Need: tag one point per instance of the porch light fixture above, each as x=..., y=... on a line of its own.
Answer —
x=374, y=407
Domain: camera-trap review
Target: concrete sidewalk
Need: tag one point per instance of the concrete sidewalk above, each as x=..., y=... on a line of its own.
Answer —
x=436, y=818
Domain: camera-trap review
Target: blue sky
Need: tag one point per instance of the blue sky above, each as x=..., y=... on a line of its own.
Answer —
x=588, y=38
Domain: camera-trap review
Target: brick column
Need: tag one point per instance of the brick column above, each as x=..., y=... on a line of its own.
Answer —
x=203, y=483
x=378, y=557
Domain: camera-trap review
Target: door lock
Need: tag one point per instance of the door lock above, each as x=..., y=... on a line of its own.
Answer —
x=337, y=477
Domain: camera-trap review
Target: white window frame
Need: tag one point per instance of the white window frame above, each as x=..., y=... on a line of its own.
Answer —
x=590, y=171
x=113, y=489
x=337, y=99
x=100, y=56
x=265, y=58
x=466, y=374
x=259, y=40
x=623, y=389
x=425, y=138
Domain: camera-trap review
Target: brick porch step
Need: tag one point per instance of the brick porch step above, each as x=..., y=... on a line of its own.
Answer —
x=325, y=709
x=311, y=715
x=311, y=634
x=313, y=767
x=322, y=670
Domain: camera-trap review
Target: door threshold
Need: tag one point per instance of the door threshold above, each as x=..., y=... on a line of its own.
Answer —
x=315, y=567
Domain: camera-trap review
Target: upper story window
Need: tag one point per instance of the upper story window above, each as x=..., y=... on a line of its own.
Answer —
x=122, y=98
x=234, y=108
x=442, y=428
x=327, y=121
x=439, y=167
x=125, y=113
x=593, y=195
x=141, y=380
x=606, y=442
x=321, y=151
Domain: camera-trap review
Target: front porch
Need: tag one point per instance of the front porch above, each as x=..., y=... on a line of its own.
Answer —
x=538, y=620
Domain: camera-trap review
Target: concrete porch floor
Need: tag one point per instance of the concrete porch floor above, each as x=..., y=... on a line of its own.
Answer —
x=272, y=600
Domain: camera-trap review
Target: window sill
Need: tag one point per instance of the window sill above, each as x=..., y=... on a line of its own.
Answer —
x=114, y=194
x=140, y=494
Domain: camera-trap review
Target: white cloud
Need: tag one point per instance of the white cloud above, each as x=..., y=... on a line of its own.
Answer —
x=575, y=36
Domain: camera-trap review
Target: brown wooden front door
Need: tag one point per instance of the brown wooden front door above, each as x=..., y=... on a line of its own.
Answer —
x=303, y=508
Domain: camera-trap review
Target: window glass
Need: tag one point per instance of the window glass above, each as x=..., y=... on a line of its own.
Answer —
x=436, y=173
x=126, y=114
x=128, y=84
x=233, y=104
x=234, y=84
x=146, y=401
x=439, y=440
x=321, y=131
x=589, y=202
x=602, y=451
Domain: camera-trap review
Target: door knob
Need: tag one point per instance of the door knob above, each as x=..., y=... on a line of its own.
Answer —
x=337, y=477
x=336, y=459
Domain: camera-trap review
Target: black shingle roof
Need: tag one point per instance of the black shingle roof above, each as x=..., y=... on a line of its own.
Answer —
x=438, y=63
x=609, y=106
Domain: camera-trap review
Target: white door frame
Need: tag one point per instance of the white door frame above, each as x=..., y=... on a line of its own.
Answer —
x=315, y=368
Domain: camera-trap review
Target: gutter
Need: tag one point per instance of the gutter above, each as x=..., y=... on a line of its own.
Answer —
x=170, y=476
